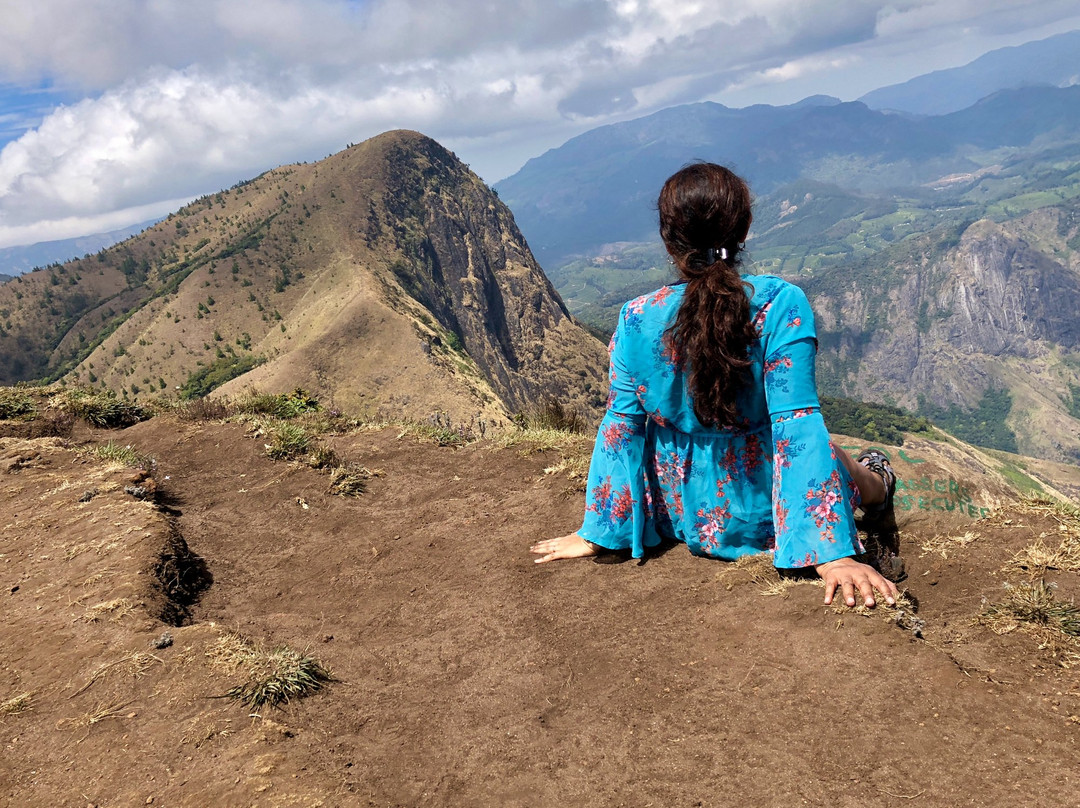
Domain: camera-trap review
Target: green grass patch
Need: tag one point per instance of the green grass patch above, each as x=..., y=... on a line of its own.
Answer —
x=124, y=455
x=16, y=403
x=277, y=405
x=208, y=378
x=1020, y=479
x=101, y=408
x=288, y=441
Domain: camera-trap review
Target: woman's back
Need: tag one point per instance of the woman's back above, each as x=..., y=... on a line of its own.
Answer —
x=767, y=481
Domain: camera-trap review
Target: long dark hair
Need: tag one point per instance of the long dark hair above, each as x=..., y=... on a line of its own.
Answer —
x=704, y=217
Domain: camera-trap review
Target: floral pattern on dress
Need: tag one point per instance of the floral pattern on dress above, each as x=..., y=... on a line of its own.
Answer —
x=759, y=318
x=776, y=369
x=823, y=504
x=671, y=472
x=613, y=507
x=616, y=436
x=753, y=454
x=710, y=526
x=634, y=311
x=780, y=515
x=667, y=358
x=796, y=414
x=793, y=318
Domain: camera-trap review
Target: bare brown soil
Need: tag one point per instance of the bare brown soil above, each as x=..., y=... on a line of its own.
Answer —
x=466, y=675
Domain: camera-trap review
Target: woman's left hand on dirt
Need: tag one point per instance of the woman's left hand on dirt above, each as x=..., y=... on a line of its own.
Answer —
x=848, y=575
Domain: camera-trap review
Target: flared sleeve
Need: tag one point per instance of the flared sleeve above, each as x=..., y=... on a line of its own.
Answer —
x=813, y=515
x=615, y=496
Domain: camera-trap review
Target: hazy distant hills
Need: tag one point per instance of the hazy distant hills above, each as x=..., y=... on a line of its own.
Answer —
x=601, y=186
x=16, y=260
x=1054, y=61
x=387, y=276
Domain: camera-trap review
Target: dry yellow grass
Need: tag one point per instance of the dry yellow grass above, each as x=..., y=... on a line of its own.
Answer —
x=1058, y=549
x=114, y=610
x=1032, y=607
x=135, y=664
x=17, y=704
x=945, y=544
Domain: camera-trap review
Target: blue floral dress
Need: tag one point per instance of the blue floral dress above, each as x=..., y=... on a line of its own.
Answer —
x=772, y=483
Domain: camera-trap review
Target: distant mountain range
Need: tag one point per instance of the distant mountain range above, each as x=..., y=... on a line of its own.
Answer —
x=601, y=186
x=17, y=260
x=387, y=277
x=1054, y=61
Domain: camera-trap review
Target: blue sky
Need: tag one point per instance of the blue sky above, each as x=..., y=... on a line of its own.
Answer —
x=117, y=111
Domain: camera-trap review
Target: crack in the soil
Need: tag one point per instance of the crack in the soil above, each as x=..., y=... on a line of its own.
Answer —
x=179, y=577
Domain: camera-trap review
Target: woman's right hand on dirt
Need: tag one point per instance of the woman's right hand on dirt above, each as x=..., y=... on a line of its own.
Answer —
x=569, y=546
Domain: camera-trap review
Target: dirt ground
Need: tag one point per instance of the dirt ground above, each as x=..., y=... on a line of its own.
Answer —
x=466, y=675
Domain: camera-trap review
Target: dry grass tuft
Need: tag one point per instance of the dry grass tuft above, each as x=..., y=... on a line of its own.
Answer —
x=1032, y=608
x=350, y=479
x=531, y=440
x=943, y=545
x=1038, y=557
x=757, y=569
x=100, y=712
x=115, y=610
x=17, y=704
x=323, y=457
x=553, y=416
x=575, y=468
x=1042, y=555
x=202, y=409
x=1064, y=513
x=575, y=450
x=271, y=677
x=135, y=664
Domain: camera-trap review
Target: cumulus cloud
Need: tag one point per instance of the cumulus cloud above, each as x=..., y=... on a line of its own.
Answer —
x=186, y=96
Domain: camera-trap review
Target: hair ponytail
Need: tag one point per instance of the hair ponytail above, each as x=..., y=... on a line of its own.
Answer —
x=704, y=216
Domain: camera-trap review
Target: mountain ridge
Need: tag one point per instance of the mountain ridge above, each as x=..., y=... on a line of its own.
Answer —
x=1052, y=61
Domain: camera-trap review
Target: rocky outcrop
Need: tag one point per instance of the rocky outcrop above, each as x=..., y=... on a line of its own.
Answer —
x=995, y=307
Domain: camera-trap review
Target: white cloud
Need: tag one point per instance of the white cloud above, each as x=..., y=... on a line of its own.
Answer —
x=192, y=95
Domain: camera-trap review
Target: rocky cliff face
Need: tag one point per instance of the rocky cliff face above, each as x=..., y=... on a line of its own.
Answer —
x=387, y=276
x=463, y=258
x=953, y=316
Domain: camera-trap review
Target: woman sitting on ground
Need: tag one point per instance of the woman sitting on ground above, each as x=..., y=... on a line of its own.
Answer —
x=713, y=436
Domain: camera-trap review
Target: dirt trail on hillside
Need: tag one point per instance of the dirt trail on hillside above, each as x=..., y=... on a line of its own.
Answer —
x=466, y=675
